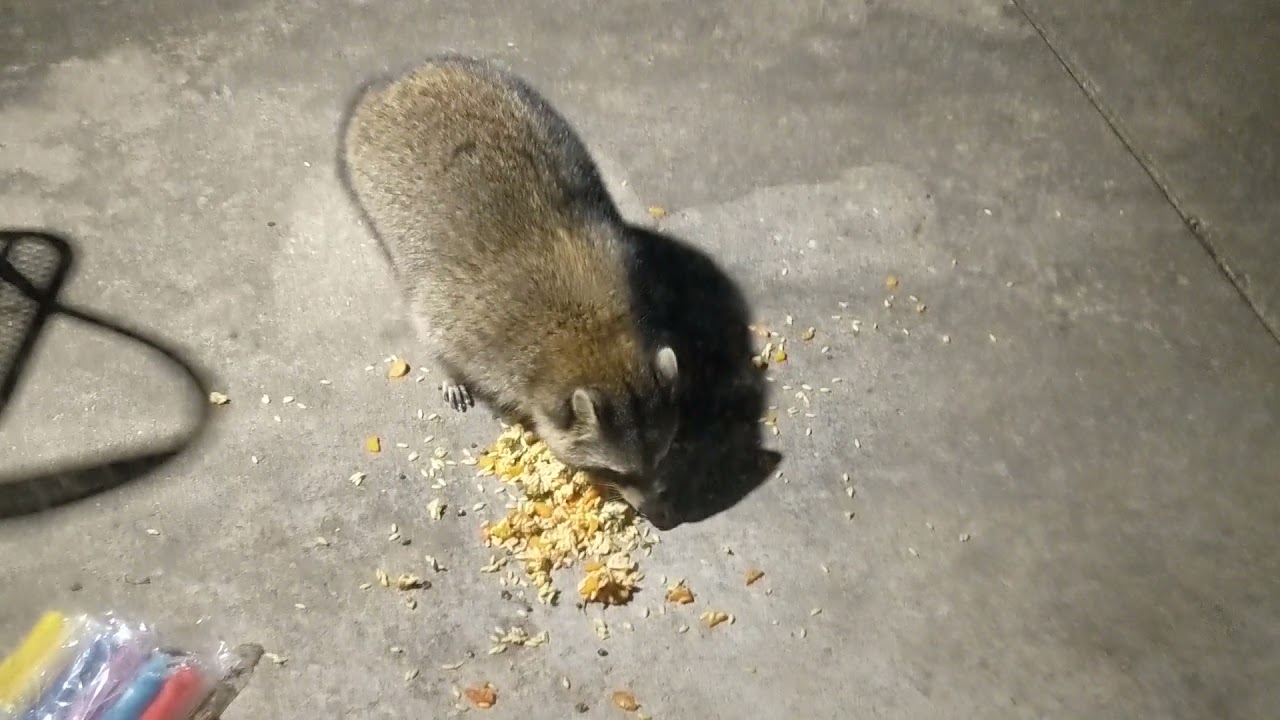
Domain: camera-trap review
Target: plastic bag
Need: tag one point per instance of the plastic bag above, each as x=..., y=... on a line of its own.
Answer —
x=85, y=667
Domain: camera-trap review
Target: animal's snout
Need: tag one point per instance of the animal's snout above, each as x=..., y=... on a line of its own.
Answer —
x=660, y=512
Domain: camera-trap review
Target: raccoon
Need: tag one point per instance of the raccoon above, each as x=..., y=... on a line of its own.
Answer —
x=516, y=266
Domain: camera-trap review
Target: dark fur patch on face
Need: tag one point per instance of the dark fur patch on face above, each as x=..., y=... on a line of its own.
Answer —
x=620, y=437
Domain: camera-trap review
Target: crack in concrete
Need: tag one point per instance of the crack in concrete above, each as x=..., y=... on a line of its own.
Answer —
x=1194, y=223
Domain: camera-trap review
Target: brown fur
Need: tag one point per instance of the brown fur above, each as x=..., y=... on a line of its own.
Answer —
x=514, y=260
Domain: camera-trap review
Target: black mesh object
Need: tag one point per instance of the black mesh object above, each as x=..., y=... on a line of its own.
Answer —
x=33, y=267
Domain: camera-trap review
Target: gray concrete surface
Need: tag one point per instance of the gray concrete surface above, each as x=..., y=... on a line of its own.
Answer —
x=1196, y=85
x=1101, y=424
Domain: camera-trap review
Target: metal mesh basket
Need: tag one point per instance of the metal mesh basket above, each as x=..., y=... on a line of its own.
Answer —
x=33, y=267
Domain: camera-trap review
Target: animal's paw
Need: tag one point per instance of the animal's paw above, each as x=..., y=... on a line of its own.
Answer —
x=457, y=395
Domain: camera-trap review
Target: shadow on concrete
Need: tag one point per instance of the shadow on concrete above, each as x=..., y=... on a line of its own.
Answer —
x=718, y=457
x=34, y=265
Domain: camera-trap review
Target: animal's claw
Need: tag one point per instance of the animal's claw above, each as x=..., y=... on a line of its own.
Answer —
x=457, y=396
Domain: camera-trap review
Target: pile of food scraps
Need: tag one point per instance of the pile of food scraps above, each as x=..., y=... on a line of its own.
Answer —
x=562, y=519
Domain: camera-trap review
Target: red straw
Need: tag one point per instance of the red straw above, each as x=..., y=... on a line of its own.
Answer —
x=179, y=695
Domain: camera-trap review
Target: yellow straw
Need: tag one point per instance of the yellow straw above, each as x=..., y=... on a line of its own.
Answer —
x=22, y=671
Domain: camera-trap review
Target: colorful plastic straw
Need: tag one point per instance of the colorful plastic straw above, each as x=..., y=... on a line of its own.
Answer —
x=141, y=691
x=42, y=654
x=185, y=687
x=94, y=648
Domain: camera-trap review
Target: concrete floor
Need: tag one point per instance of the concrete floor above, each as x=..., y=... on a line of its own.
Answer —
x=1101, y=424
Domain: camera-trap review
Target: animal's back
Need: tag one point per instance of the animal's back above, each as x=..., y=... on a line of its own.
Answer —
x=462, y=166
x=494, y=215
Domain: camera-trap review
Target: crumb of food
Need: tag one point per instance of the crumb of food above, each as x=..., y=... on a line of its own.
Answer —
x=609, y=583
x=753, y=575
x=625, y=700
x=274, y=658
x=809, y=334
x=679, y=594
x=409, y=581
x=436, y=509
x=562, y=519
x=483, y=697
x=780, y=356
x=398, y=369
x=712, y=618
x=657, y=212
x=891, y=283
x=373, y=444
x=519, y=637
x=217, y=398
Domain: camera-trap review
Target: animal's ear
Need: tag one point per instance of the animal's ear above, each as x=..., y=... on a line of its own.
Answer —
x=579, y=408
x=666, y=366
x=583, y=405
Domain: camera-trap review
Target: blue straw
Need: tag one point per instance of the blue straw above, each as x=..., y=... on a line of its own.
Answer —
x=139, y=694
x=73, y=680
